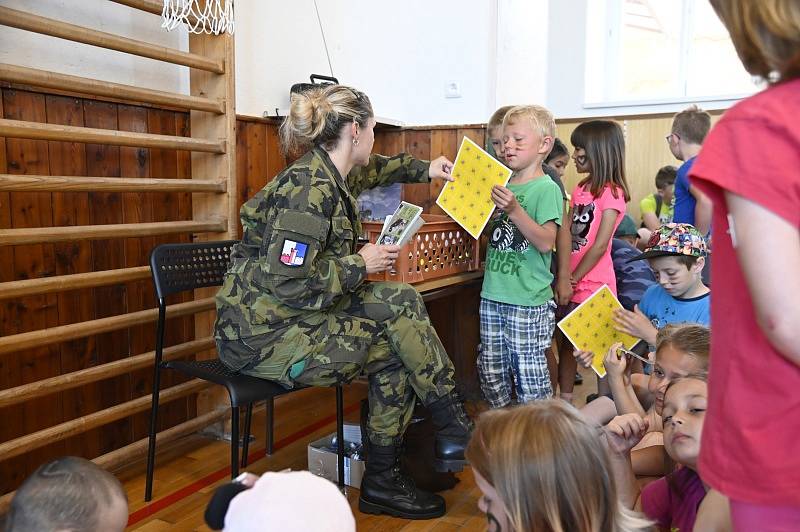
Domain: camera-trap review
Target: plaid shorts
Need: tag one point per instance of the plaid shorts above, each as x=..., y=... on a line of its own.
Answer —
x=513, y=342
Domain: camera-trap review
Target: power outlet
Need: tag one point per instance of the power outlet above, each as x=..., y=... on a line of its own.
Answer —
x=452, y=89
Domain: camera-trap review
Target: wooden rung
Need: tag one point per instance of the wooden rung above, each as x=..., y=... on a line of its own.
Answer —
x=96, y=87
x=155, y=7
x=41, y=235
x=129, y=453
x=62, y=283
x=40, y=131
x=151, y=6
x=62, y=333
x=71, y=32
x=33, y=390
x=66, y=183
x=62, y=431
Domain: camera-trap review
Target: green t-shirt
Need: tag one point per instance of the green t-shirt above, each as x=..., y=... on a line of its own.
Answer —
x=648, y=204
x=516, y=272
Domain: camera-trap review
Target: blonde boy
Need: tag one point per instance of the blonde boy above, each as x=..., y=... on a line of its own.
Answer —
x=517, y=309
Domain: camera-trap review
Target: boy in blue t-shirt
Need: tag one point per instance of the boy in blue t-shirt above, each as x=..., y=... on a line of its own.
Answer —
x=676, y=253
x=689, y=130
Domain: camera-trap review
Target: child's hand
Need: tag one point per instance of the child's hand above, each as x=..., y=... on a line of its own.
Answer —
x=563, y=291
x=584, y=358
x=624, y=432
x=504, y=199
x=634, y=323
x=614, y=365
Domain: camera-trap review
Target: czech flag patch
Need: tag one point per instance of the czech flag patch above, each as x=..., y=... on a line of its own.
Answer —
x=294, y=253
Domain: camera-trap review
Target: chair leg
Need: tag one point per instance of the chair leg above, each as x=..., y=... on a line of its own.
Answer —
x=234, y=442
x=340, y=434
x=270, y=425
x=246, y=438
x=151, y=445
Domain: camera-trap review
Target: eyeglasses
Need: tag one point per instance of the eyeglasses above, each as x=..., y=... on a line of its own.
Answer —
x=668, y=138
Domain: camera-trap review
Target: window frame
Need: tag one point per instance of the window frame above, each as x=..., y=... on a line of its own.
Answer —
x=612, y=59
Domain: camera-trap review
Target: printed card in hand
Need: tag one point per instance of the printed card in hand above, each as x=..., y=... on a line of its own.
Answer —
x=402, y=225
x=590, y=327
x=468, y=199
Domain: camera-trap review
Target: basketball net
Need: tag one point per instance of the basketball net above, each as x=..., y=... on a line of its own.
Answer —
x=199, y=16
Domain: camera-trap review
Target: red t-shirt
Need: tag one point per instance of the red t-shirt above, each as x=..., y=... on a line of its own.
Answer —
x=751, y=436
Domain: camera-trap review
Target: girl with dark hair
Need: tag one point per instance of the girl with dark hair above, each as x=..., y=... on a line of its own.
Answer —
x=596, y=209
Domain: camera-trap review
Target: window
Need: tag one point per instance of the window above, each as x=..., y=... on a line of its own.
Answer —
x=649, y=51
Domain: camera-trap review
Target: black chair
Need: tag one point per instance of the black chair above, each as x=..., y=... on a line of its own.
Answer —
x=181, y=267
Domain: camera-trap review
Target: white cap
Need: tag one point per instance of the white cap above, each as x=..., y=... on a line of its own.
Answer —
x=294, y=500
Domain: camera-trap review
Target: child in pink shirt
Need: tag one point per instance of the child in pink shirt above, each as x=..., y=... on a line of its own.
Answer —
x=596, y=209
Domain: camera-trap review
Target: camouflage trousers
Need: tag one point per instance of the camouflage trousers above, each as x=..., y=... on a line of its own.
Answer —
x=383, y=330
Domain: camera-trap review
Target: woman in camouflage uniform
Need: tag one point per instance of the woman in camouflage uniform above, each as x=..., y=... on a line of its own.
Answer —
x=295, y=309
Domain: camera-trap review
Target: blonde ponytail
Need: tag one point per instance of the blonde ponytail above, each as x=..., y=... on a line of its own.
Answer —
x=317, y=116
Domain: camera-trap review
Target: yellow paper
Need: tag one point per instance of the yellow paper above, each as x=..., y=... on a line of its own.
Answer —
x=468, y=199
x=590, y=327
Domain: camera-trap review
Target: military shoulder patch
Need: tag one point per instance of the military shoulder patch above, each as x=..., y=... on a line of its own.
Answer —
x=294, y=253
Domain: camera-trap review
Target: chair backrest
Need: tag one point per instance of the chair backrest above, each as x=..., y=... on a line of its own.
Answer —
x=179, y=267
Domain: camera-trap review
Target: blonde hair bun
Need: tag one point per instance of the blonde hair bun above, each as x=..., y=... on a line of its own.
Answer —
x=316, y=116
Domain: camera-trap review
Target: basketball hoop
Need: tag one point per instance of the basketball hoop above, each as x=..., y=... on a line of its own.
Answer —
x=199, y=16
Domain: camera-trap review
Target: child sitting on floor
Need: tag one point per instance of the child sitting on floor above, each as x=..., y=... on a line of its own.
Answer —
x=541, y=466
x=69, y=493
x=681, y=350
x=680, y=499
x=676, y=253
x=633, y=277
x=657, y=208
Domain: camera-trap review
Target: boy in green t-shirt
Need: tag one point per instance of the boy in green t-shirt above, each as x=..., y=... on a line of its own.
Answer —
x=517, y=310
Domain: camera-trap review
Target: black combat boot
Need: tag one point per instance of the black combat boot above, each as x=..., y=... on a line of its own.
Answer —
x=453, y=429
x=386, y=490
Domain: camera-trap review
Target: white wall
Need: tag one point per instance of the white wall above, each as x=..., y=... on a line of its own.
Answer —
x=18, y=47
x=521, y=61
x=401, y=54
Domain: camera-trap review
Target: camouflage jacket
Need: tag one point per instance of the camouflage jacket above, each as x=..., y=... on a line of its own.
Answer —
x=297, y=257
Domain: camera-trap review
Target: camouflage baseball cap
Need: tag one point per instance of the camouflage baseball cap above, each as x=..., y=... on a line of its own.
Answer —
x=675, y=239
x=627, y=227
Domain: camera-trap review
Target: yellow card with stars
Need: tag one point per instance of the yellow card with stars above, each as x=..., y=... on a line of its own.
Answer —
x=590, y=327
x=468, y=199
